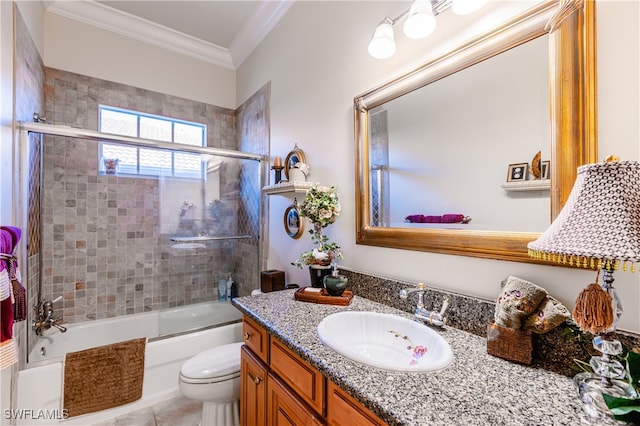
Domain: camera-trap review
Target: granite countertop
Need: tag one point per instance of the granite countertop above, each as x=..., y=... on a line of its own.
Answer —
x=475, y=389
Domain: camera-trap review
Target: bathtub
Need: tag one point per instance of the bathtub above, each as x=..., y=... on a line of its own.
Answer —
x=39, y=386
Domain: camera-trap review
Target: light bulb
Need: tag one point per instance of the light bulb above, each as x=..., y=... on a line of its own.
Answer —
x=465, y=7
x=420, y=20
x=382, y=45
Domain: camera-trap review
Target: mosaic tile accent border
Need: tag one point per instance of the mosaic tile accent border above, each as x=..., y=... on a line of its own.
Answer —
x=253, y=136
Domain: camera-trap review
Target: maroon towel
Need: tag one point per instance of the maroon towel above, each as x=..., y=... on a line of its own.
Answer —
x=447, y=218
x=432, y=219
x=9, y=237
x=12, y=237
x=452, y=218
x=415, y=218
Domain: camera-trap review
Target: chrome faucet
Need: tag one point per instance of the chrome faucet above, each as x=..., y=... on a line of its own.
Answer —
x=44, y=317
x=430, y=317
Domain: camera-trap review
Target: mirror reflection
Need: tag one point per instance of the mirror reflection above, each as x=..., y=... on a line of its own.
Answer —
x=442, y=157
x=440, y=153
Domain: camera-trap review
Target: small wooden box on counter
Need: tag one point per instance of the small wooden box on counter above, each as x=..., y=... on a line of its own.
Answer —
x=271, y=280
x=508, y=343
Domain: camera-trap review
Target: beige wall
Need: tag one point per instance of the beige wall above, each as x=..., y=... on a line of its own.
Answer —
x=315, y=75
x=80, y=48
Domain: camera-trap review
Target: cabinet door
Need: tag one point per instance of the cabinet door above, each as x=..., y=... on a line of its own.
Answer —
x=305, y=380
x=342, y=409
x=253, y=390
x=285, y=408
x=256, y=338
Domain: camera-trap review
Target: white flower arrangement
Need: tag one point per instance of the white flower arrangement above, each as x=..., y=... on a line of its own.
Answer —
x=321, y=207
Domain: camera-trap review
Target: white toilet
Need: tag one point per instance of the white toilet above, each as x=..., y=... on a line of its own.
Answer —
x=213, y=376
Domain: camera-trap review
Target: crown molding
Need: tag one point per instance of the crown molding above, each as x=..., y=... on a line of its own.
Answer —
x=108, y=18
x=257, y=28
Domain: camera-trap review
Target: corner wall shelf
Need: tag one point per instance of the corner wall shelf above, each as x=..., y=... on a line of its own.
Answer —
x=288, y=188
x=527, y=185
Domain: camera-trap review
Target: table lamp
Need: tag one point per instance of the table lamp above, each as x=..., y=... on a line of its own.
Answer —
x=599, y=229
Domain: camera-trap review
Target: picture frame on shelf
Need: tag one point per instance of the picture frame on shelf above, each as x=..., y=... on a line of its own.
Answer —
x=296, y=155
x=293, y=223
x=517, y=172
x=544, y=167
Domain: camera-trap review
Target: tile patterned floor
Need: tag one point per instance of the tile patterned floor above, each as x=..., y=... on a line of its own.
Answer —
x=176, y=412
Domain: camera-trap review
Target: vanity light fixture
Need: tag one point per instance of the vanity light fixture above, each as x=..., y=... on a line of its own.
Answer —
x=419, y=22
x=383, y=45
x=466, y=7
x=599, y=229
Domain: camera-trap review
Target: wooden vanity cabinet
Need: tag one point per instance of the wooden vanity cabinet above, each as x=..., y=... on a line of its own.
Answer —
x=253, y=389
x=256, y=338
x=304, y=380
x=342, y=409
x=279, y=388
x=285, y=407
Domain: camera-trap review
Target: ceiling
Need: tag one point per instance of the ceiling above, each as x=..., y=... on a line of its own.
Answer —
x=220, y=32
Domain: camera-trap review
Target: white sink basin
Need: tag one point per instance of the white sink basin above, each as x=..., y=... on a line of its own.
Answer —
x=385, y=341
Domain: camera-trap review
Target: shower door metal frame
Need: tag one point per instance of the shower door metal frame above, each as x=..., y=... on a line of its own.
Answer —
x=66, y=131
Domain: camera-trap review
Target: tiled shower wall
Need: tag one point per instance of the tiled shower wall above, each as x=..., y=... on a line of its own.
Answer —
x=29, y=81
x=103, y=249
x=253, y=136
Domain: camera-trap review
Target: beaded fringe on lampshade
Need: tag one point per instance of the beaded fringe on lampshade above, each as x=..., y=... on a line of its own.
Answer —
x=599, y=225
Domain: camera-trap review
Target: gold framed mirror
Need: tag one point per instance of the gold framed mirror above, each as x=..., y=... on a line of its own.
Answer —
x=295, y=156
x=570, y=26
x=293, y=225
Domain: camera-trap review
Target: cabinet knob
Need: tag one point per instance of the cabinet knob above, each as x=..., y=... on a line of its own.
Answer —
x=255, y=379
x=246, y=336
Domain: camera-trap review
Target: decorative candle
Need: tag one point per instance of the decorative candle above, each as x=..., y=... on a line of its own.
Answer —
x=277, y=162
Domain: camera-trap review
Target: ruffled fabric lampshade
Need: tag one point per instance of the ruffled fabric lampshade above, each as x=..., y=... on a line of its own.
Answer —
x=600, y=222
x=598, y=228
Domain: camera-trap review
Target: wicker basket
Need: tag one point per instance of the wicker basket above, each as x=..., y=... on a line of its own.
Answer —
x=507, y=343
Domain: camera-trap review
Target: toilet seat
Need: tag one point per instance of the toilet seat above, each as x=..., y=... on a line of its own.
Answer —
x=205, y=381
x=213, y=365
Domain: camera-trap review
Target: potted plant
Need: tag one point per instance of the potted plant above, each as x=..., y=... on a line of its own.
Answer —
x=321, y=207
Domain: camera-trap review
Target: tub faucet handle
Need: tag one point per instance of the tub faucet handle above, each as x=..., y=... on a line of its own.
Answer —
x=44, y=319
x=54, y=323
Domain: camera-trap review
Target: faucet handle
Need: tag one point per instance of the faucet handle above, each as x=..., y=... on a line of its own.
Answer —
x=404, y=293
x=445, y=305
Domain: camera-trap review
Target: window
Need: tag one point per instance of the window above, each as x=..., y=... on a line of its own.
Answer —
x=134, y=160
